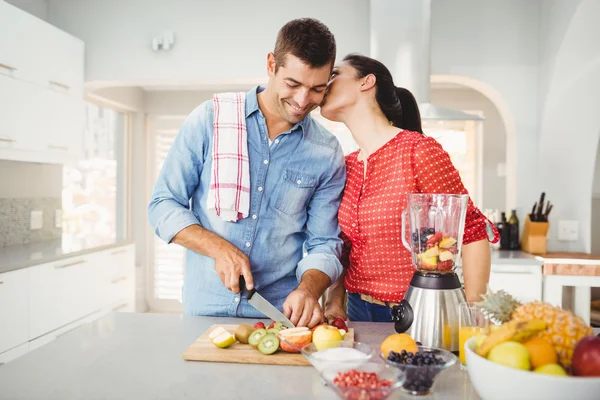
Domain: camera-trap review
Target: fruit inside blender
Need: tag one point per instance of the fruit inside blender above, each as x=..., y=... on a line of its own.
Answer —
x=435, y=251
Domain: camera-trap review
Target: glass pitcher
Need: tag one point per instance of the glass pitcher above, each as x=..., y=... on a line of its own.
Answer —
x=437, y=223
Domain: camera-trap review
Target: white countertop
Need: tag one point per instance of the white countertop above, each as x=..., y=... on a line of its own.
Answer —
x=27, y=255
x=139, y=356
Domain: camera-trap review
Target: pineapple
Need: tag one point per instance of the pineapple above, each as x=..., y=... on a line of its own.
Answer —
x=564, y=329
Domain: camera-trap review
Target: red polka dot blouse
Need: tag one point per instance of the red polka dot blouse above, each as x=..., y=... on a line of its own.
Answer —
x=370, y=214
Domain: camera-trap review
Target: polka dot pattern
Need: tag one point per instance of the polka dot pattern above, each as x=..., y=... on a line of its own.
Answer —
x=370, y=214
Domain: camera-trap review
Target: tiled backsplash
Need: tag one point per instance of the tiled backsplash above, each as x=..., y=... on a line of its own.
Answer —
x=15, y=216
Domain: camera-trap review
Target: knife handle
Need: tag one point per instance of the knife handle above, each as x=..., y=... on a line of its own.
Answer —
x=244, y=289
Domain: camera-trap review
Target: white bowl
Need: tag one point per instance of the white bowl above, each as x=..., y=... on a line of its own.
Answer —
x=493, y=381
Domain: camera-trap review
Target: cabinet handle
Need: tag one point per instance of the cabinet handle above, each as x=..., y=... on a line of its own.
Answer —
x=119, y=307
x=1, y=282
x=60, y=85
x=8, y=67
x=53, y=147
x=114, y=253
x=123, y=278
x=70, y=264
x=7, y=140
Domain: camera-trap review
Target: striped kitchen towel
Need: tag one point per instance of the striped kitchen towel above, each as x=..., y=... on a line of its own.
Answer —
x=229, y=192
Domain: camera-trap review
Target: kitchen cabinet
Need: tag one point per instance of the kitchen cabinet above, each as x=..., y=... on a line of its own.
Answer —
x=45, y=301
x=41, y=90
x=14, y=298
x=522, y=281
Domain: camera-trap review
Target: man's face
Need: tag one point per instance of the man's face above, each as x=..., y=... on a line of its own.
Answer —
x=296, y=87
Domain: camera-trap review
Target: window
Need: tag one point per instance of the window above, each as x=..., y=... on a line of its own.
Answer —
x=94, y=188
x=167, y=260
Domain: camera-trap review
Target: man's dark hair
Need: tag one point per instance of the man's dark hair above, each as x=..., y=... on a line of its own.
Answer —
x=308, y=39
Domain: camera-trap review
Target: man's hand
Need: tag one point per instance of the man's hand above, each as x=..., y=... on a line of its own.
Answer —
x=303, y=309
x=230, y=262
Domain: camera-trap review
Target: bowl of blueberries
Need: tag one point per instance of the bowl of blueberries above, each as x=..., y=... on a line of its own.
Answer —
x=421, y=368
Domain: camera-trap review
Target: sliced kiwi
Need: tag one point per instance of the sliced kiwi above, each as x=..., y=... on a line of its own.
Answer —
x=274, y=331
x=255, y=336
x=243, y=332
x=268, y=344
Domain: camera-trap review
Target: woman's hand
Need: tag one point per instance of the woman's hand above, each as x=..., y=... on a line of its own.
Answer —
x=333, y=311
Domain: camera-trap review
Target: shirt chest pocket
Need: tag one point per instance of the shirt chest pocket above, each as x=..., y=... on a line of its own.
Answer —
x=295, y=191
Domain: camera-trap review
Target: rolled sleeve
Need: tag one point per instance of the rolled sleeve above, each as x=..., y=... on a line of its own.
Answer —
x=323, y=243
x=169, y=208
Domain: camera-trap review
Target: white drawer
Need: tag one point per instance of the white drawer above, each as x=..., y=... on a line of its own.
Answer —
x=14, y=300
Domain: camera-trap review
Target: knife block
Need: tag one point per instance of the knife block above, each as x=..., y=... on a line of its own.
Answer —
x=535, y=236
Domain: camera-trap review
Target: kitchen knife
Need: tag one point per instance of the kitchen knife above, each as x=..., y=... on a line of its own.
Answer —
x=540, y=209
x=262, y=305
x=532, y=215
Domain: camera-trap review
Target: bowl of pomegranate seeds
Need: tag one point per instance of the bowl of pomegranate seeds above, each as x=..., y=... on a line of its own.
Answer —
x=370, y=381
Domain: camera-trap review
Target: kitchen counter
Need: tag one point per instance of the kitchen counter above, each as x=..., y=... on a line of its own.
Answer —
x=27, y=255
x=515, y=257
x=139, y=356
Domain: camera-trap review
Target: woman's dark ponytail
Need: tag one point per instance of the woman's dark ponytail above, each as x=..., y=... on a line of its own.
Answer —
x=397, y=104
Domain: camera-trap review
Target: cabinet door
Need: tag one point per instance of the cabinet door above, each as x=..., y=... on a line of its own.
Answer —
x=59, y=294
x=120, y=273
x=65, y=66
x=65, y=124
x=19, y=114
x=523, y=286
x=14, y=299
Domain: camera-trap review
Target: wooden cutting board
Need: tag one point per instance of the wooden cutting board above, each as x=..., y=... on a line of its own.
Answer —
x=203, y=350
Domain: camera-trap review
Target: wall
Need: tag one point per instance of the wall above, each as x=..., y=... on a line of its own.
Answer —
x=570, y=122
x=25, y=187
x=39, y=8
x=118, y=35
x=494, y=143
x=496, y=43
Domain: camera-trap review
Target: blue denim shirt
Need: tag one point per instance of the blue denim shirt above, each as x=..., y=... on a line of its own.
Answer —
x=296, y=186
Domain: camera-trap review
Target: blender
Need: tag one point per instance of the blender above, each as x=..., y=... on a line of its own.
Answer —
x=429, y=311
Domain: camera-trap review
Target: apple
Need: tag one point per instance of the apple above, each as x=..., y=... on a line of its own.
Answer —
x=586, y=357
x=325, y=336
x=293, y=339
x=446, y=255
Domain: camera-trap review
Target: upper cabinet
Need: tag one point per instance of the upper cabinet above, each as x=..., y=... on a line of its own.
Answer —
x=41, y=89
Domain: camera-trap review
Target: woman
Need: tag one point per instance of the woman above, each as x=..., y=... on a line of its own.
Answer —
x=394, y=159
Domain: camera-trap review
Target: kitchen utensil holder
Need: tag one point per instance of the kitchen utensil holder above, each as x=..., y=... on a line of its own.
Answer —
x=535, y=235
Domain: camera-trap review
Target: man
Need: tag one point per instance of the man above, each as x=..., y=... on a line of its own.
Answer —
x=297, y=176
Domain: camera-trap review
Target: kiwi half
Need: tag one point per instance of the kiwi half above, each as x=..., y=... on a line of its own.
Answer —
x=243, y=332
x=268, y=344
x=255, y=336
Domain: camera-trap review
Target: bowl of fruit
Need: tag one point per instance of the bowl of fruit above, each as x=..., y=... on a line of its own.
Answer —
x=545, y=352
x=369, y=381
x=421, y=365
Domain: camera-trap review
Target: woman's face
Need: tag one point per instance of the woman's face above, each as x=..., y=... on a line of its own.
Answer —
x=342, y=92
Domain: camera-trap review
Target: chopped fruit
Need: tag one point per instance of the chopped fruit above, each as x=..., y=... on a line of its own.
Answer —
x=436, y=238
x=272, y=325
x=224, y=340
x=360, y=380
x=343, y=332
x=446, y=255
x=259, y=325
x=398, y=342
x=447, y=242
x=218, y=331
x=432, y=252
x=340, y=324
x=445, y=265
x=429, y=264
x=292, y=340
x=268, y=344
x=256, y=336
x=274, y=331
x=243, y=332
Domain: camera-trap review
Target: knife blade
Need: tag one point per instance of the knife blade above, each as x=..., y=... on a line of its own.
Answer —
x=262, y=305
